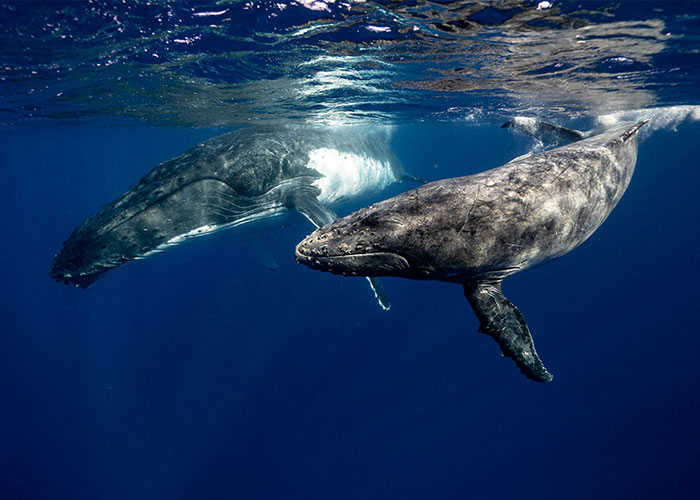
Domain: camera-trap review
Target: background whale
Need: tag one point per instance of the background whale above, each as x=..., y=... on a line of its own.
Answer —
x=478, y=230
x=242, y=178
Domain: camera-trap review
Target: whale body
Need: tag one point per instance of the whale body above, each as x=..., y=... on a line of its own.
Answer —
x=479, y=229
x=242, y=178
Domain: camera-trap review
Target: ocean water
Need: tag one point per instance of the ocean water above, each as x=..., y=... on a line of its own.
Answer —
x=198, y=373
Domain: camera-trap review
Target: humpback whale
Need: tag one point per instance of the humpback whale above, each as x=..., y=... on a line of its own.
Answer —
x=245, y=177
x=479, y=229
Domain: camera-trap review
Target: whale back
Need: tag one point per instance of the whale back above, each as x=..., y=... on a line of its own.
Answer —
x=538, y=208
x=495, y=222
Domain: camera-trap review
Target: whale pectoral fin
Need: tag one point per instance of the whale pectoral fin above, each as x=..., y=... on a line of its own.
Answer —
x=306, y=203
x=503, y=321
x=379, y=293
x=256, y=244
x=549, y=134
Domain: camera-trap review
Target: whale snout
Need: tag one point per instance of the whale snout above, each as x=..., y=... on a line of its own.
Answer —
x=72, y=267
x=78, y=280
x=347, y=256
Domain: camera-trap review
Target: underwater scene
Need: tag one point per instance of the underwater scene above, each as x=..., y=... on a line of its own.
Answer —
x=330, y=249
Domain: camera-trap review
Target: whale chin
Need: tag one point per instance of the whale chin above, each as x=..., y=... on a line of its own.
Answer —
x=359, y=264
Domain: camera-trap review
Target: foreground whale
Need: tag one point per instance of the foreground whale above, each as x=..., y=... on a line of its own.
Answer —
x=253, y=175
x=478, y=230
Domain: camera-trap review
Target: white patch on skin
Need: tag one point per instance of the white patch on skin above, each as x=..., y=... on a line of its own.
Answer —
x=348, y=175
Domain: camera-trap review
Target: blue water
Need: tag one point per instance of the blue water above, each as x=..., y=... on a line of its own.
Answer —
x=199, y=374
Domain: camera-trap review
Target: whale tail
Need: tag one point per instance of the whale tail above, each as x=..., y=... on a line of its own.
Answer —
x=549, y=134
x=503, y=321
x=632, y=131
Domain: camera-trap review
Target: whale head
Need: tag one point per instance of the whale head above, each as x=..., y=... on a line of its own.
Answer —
x=133, y=227
x=140, y=224
x=413, y=235
x=380, y=240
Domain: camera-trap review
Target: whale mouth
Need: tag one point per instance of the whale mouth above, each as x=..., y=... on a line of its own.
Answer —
x=352, y=264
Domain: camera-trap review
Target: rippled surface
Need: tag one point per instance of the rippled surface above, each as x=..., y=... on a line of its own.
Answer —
x=235, y=62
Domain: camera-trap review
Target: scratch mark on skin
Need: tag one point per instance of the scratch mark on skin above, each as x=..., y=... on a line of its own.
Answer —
x=556, y=178
x=395, y=220
x=476, y=198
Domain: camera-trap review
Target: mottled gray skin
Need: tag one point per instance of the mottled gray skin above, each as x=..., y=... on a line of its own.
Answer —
x=227, y=180
x=478, y=230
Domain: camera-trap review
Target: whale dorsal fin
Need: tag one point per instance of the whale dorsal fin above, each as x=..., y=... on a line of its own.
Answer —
x=305, y=201
x=503, y=321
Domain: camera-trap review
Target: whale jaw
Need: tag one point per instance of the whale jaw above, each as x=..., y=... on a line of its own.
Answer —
x=351, y=264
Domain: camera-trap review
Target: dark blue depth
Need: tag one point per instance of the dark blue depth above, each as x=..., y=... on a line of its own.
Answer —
x=199, y=374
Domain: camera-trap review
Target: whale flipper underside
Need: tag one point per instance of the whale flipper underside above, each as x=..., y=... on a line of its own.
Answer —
x=306, y=202
x=503, y=321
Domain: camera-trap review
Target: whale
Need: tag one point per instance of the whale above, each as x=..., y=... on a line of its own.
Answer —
x=248, y=178
x=480, y=229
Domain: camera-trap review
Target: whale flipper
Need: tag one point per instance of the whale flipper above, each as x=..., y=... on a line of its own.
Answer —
x=503, y=321
x=305, y=201
x=379, y=293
